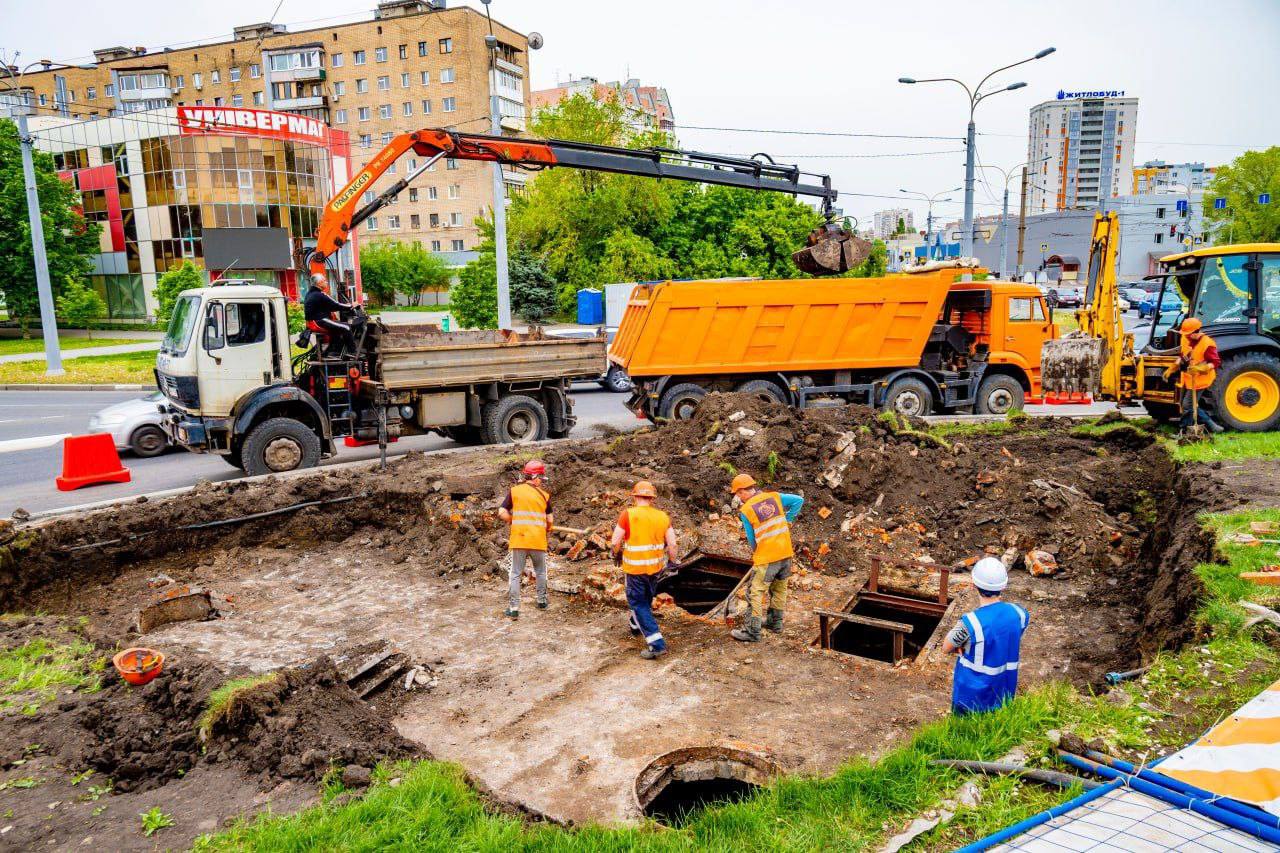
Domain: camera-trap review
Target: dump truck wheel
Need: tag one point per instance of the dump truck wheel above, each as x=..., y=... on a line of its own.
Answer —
x=763, y=388
x=999, y=395
x=1246, y=393
x=1161, y=413
x=681, y=402
x=515, y=419
x=280, y=444
x=909, y=396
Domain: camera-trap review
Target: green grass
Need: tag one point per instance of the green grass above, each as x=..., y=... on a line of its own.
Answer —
x=1229, y=445
x=1092, y=429
x=130, y=368
x=16, y=346
x=220, y=700
x=31, y=674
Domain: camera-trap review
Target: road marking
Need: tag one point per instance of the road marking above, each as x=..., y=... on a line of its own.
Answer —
x=34, y=442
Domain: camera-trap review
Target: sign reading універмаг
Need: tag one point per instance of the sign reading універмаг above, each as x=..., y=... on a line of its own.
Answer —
x=239, y=120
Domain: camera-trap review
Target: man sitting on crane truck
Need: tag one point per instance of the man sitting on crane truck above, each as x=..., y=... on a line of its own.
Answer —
x=319, y=307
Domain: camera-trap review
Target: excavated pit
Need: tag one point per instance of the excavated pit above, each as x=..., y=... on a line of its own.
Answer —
x=555, y=710
x=674, y=786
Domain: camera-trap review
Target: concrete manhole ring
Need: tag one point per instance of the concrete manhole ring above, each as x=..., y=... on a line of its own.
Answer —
x=701, y=765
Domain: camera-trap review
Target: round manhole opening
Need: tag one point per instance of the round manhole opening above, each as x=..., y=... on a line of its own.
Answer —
x=675, y=785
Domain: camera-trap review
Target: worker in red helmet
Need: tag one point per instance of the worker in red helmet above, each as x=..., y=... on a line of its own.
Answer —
x=640, y=537
x=527, y=508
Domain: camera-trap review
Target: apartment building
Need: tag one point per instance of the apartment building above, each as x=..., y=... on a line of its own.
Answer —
x=1081, y=145
x=644, y=105
x=1157, y=176
x=414, y=64
x=884, y=223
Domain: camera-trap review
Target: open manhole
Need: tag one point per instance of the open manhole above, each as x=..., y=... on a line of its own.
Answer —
x=704, y=582
x=681, y=782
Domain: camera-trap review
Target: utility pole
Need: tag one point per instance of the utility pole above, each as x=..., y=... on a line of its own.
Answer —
x=1004, y=232
x=48, y=320
x=1022, y=221
x=499, y=208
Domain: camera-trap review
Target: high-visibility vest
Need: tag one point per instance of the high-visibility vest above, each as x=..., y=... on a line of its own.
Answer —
x=773, y=533
x=986, y=673
x=642, y=552
x=1194, y=379
x=528, y=517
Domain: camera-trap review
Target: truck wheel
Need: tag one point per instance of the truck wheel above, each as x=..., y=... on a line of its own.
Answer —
x=764, y=389
x=280, y=444
x=1246, y=393
x=514, y=419
x=464, y=434
x=681, y=402
x=616, y=380
x=148, y=440
x=1161, y=413
x=909, y=396
x=999, y=395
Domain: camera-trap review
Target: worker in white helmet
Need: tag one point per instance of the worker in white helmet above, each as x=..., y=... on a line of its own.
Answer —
x=988, y=641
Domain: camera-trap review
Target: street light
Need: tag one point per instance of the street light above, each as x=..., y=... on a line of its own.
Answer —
x=976, y=96
x=930, y=199
x=1004, y=213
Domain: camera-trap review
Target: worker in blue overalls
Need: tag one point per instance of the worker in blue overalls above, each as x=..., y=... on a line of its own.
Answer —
x=988, y=641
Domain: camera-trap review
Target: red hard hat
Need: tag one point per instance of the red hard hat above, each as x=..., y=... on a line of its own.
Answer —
x=535, y=468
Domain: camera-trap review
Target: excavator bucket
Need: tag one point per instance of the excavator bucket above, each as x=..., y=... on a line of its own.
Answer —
x=831, y=250
x=1072, y=364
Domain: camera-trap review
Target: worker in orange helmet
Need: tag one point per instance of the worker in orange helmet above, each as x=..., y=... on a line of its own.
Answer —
x=527, y=508
x=641, y=535
x=1199, y=363
x=766, y=518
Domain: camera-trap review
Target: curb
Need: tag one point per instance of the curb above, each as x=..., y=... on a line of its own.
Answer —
x=53, y=386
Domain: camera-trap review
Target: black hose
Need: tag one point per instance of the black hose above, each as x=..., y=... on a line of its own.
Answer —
x=995, y=768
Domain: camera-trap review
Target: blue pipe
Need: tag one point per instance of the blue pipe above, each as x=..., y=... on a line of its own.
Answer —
x=1037, y=819
x=1182, y=801
x=1245, y=810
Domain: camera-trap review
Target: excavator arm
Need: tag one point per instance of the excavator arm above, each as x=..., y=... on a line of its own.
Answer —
x=829, y=250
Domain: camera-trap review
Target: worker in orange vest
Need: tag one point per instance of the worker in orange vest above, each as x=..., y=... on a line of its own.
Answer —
x=1199, y=364
x=527, y=508
x=641, y=535
x=766, y=519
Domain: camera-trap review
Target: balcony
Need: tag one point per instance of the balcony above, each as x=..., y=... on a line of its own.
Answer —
x=150, y=93
x=310, y=102
x=513, y=123
x=313, y=73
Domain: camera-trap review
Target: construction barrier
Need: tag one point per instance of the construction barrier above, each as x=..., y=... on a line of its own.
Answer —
x=352, y=441
x=1072, y=398
x=90, y=459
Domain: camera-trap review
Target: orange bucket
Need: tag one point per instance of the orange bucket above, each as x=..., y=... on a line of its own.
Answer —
x=138, y=666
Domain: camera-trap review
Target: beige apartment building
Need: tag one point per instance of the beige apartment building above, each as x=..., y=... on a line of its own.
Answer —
x=415, y=64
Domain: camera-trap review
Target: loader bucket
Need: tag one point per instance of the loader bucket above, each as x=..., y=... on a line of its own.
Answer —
x=1072, y=364
x=831, y=250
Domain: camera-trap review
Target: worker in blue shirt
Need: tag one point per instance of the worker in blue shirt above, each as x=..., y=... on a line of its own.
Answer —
x=766, y=519
x=989, y=643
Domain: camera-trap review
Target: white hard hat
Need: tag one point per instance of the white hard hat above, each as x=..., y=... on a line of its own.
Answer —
x=989, y=574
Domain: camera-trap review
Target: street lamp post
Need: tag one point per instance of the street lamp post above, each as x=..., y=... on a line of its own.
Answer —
x=929, y=200
x=1004, y=212
x=976, y=96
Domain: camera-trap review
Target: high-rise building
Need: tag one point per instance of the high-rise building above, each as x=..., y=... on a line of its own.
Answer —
x=884, y=223
x=1081, y=150
x=414, y=64
x=1157, y=176
x=644, y=105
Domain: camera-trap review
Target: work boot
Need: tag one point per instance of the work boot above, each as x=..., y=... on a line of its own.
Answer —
x=542, y=604
x=773, y=621
x=513, y=613
x=749, y=632
x=652, y=654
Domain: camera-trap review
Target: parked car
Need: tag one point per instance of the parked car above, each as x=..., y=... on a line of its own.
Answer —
x=613, y=378
x=134, y=425
x=1169, y=303
x=1065, y=296
x=1132, y=296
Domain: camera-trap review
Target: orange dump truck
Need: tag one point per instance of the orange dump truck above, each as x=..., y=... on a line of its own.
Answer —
x=919, y=343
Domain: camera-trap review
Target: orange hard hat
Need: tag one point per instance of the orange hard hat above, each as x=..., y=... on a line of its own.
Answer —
x=535, y=468
x=742, y=481
x=1189, y=325
x=644, y=489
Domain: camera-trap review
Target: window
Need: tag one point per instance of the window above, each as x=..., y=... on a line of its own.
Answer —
x=366, y=141
x=407, y=108
x=415, y=221
x=404, y=51
x=450, y=163
x=435, y=245
x=384, y=83
x=426, y=106
x=357, y=57
x=380, y=54
x=340, y=117
x=367, y=197
x=432, y=195
x=257, y=98
x=458, y=245
x=246, y=323
x=393, y=222
x=433, y=220
x=196, y=80
x=455, y=190
x=1269, y=294
x=237, y=100
x=92, y=92
x=511, y=81
x=450, y=105
x=384, y=111
x=413, y=192
x=1159, y=237
x=199, y=102
x=446, y=45
x=215, y=76
x=364, y=113
x=255, y=70
x=371, y=224
x=362, y=85
x=336, y=61
x=109, y=90
x=386, y=137
x=1159, y=213
x=217, y=102
x=1025, y=309
x=422, y=48
x=1223, y=294
x=405, y=80
x=446, y=75
x=426, y=77
x=234, y=74
x=455, y=218
x=339, y=89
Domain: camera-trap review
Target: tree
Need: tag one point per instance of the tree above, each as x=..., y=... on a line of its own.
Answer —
x=70, y=241
x=901, y=227
x=80, y=305
x=1241, y=182
x=533, y=290
x=180, y=278
x=474, y=298
x=377, y=270
x=420, y=270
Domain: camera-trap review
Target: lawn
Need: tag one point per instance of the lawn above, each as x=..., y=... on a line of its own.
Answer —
x=128, y=369
x=1229, y=445
x=17, y=346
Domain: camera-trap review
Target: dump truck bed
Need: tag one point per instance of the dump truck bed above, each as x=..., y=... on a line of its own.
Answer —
x=704, y=327
x=422, y=356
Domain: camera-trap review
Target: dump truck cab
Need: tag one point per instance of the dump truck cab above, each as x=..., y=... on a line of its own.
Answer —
x=1009, y=320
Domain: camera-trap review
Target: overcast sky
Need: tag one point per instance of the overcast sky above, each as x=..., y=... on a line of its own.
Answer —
x=1207, y=74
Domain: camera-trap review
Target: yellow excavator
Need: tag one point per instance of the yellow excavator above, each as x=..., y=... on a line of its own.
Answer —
x=1235, y=292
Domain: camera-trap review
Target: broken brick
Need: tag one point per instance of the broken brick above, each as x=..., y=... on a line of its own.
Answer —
x=824, y=512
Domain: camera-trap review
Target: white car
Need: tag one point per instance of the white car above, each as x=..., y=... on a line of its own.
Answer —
x=613, y=378
x=134, y=425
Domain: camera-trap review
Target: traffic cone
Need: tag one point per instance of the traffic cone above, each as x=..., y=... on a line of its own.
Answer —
x=90, y=459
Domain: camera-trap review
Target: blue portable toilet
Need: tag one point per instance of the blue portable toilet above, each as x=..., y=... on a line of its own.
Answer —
x=590, y=307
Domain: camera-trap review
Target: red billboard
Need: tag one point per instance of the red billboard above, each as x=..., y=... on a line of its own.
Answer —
x=249, y=122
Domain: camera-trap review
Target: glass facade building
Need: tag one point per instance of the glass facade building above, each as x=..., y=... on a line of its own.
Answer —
x=237, y=192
